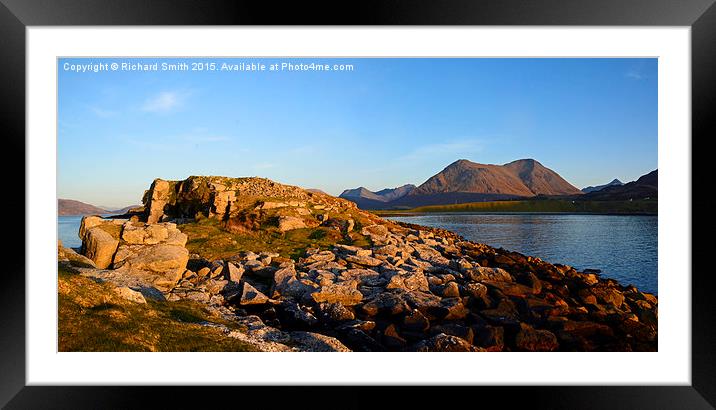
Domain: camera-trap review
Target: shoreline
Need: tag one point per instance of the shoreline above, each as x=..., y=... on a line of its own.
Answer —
x=424, y=213
x=297, y=270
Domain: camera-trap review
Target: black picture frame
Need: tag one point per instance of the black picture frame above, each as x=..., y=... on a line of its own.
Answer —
x=700, y=15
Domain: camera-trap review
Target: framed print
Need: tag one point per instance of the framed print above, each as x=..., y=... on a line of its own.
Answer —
x=225, y=196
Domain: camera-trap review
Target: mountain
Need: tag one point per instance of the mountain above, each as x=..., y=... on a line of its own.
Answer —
x=391, y=194
x=72, y=207
x=590, y=188
x=360, y=193
x=647, y=186
x=366, y=199
x=467, y=181
x=125, y=209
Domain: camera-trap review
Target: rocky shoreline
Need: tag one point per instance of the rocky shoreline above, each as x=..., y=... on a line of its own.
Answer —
x=381, y=286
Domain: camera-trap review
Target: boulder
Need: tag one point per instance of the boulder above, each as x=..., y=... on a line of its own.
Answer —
x=166, y=263
x=388, y=250
x=511, y=288
x=99, y=246
x=137, y=234
x=388, y=303
x=462, y=265
x=407, y=281
x=363, y=260
x=286, y=284
x=288, y=223
x=532, y=340
x=429, y=254
x=315, y=342
x=129, y=294
x=363, y=276
x=74, y=258
x=345, y=292
x=455, y=329
x=609, y=296
x=214, y=287
x=451, y=290
x=377, y=231
x=234, y=272
x=253, y=265
x=203, y=272
x=251, y=296
x=444, y=343
x=335, y=312
x=423, y=301
x=480, y=274
x=322, y=256
x=271, y=205
x=416, y=321
x=133, y=234
x=491, y=338
x=392, y=339
x=87, y=223
x=176, y=237
x=449, y=309
x=352, y=250
x=292, y=315
x=157, y=258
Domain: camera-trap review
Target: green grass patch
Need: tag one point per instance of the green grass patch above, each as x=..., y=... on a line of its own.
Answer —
x=317, y=234
x=92, y=318
x=539, y=206
x=207, y=239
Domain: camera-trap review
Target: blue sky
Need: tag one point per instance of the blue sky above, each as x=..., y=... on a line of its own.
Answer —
x=385, y=123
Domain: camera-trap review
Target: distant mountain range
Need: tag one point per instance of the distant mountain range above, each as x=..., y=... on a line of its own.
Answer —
x=367, y=199
x=646, y=187
x=67, y=207
x=466, y=181
x=589, y=189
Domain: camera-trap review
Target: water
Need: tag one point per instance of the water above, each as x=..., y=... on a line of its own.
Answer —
x=67, y=228
x=624, y=247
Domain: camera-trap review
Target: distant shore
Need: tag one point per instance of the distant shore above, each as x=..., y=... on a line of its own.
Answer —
x=564, y=207
x=421, y=213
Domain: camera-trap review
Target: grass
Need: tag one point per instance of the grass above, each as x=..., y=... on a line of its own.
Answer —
x=93, y=318
x=207, y=239
x=546, y=206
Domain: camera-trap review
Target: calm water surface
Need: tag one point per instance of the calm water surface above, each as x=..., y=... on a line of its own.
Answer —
x=623, y=247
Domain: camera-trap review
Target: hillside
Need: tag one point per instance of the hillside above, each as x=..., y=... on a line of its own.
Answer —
x=72, y=207
x=646, y=187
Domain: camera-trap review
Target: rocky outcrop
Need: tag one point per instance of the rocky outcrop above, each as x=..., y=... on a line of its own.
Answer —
x=406, y=288
x=154, y=251
x=70, y=258
x=219, y=197
x=430, y=290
